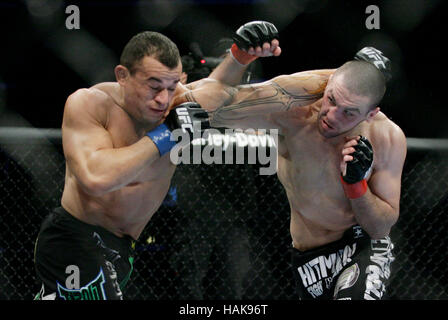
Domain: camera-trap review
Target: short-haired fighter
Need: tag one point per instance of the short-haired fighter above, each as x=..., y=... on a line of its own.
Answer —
x=340, y=162
x=116, y=144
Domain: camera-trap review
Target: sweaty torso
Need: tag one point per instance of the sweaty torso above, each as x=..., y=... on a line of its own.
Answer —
x=309, y=169
x=125, y=211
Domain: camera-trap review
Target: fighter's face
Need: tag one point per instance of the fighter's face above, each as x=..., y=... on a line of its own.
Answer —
x=149, y=91
x=341, y=110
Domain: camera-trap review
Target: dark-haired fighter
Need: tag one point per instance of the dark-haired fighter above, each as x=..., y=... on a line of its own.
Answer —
x=118, y=170
x=340, y=162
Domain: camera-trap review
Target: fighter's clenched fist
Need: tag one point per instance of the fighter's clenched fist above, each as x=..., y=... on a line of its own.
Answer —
x=255, y=39
x=356, y=164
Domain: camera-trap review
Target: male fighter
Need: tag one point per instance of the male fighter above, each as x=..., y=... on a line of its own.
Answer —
x=118, y=168
x=340, y=162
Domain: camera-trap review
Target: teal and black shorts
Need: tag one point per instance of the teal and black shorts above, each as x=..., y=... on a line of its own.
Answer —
x=78, y=261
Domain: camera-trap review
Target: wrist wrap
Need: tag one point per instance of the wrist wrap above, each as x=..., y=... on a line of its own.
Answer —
x=161, y=136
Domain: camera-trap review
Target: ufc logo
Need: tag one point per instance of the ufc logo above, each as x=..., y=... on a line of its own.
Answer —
x=185, y=119
x=378, y=61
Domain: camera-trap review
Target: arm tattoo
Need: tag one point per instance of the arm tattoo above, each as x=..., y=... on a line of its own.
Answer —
x=230, y=94
x=190, y=97
x=280, y=100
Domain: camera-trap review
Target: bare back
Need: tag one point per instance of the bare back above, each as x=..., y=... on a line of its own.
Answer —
x=128, y=209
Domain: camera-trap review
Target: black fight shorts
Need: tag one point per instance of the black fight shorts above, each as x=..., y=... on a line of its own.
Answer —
x=352, y=268
x=79, y=261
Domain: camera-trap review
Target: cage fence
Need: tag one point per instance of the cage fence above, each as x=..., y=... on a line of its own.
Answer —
x=222, y=231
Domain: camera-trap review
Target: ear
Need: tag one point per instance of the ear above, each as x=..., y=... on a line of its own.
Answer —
x=183, y=78
x=121, y=74
x=372, y=114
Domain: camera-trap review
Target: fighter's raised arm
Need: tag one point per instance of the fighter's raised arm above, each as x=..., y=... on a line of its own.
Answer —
x=252, y=105
x=256, y=105
x=263, y=105
x=260, y=106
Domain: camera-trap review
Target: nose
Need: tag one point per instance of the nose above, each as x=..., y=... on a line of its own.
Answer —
x=333, y=116
x=162, y=97
x=331, y=112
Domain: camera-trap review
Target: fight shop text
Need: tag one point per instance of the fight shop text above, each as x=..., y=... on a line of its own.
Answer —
x=226, y=309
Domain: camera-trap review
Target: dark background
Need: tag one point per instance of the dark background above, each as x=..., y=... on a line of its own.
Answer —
x=42, y=62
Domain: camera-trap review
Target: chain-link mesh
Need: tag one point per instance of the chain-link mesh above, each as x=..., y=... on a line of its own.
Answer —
x=420, y=234
x=221, y=233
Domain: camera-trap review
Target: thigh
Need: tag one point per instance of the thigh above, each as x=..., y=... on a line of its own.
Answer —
x=72, y=267
x=311, y=281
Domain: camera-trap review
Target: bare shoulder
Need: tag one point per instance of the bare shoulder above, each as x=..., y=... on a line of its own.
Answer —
x=388, y=139
x=87, y=103
x=89, y=97
x=386, y=131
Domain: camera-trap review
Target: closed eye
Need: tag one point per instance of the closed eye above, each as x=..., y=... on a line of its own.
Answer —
x=348, y=113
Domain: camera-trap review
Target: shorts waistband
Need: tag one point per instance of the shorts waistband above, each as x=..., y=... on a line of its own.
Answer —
x=89, y=228
x=353, y=234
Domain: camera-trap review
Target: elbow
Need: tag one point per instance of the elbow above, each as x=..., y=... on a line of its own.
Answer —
x=380, y=232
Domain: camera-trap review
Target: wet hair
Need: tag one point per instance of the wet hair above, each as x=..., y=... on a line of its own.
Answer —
x=152, y=44
x=364, y=79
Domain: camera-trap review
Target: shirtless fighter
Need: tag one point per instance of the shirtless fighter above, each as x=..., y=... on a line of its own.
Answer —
x=118, y=168
x=340, y=162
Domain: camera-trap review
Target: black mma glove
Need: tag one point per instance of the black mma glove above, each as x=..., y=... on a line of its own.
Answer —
x=354, y=181
x=376, y=57
x=252, y=34
x=188, y=117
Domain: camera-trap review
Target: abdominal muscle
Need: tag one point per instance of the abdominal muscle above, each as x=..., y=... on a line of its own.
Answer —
x=309, y=231
x=320, y=212
x=123, y=212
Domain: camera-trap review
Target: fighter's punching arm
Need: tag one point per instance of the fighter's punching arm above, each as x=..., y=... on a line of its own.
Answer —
x=264, y=105
x=252, y=40
x=90, y=154
x=375, y=203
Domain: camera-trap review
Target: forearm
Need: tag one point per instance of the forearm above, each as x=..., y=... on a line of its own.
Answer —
x=374, y=215
x=229, y=72
x=253, y=114
x=108, y=170
x=252, y=40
